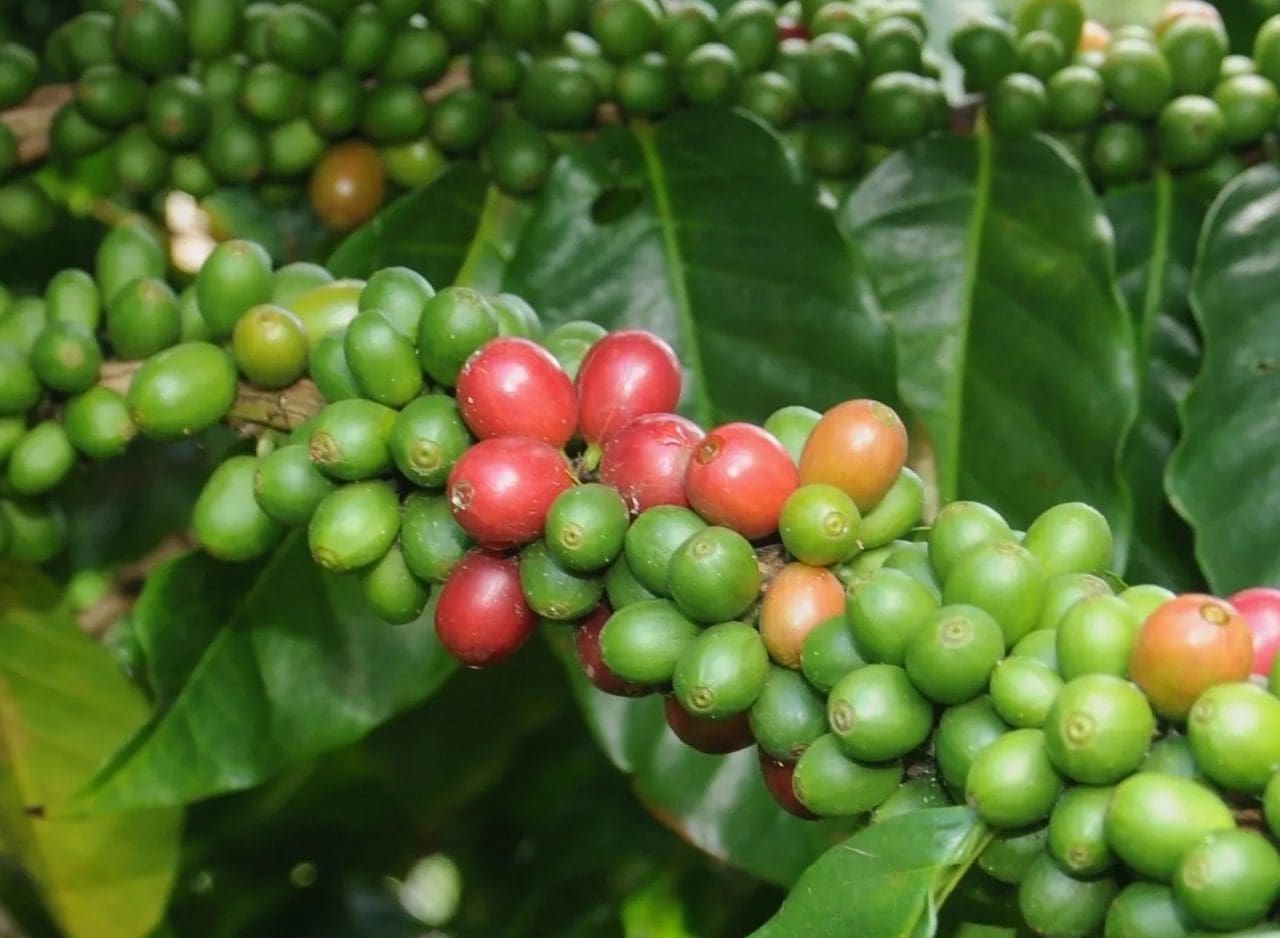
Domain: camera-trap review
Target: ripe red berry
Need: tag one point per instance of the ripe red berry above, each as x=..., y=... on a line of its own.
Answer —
x=860, y=447
x=514, y=387
x=624, y=375
x=791, y=28
x=586, y=643
x=739, y=477
x=645, y=461
x=481, y=615
x=715, y=737
x=778, y=779
x=1260, y=607
x=1186, y=646
x=500, y=489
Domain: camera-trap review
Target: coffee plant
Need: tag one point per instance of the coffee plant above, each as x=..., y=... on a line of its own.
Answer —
x=862, y=415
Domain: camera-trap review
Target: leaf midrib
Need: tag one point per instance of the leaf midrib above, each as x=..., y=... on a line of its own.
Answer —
x=691, y=352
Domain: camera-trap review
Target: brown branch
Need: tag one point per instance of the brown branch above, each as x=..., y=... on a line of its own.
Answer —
x=123, y=592
x=284, y=409
x=30, y=121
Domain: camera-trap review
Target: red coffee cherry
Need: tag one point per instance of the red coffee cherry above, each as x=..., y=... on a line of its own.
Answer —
x=481, y=616
x=623, y=376
x=645, y=461
x=500, y=489
x=715, y=737
x=739, y=477
x=778, y=780
x=514, y=387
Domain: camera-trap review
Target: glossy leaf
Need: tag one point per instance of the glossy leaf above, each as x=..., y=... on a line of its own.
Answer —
x=993, y=261
x=886, y=881
x=455, y=229
x=1157, y=225
x=63, y=708
x=701, y=230
x=1225, y=478
x=255, y=666
x=717, y=803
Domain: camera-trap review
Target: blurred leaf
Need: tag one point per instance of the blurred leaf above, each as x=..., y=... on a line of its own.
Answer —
x=701, y=230
x=886, y=881
x=717, y=803
x=63, y=709
x=1224, y=477
x=457, y=228
x=255, y=666
x=993, y=260
x=1157, y=226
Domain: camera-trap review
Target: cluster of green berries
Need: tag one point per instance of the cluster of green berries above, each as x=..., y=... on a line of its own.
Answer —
x=1125, y=100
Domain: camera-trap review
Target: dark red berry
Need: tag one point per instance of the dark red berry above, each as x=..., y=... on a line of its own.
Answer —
x=645, y=461
x=586, y=643
x=715, y=737
x=1260, y=607
x=739, y=477
x=481, y=615
x=624, y=375
x=500, y=489
x=514, y=387
x=790, y=28
x=778, y=779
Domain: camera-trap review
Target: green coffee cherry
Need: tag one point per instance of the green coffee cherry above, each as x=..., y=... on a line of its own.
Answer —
x=788, y=715
x=1096, y=636
x=750, y=29
x=893, y=44
x=1040, y=644
x=1099, y=729
x=455, y=322
x=626, y=28
x=515, y=316
x=960, y=526
x=329, y=369
x=394, y=112
x=23, y=323
x=1022, y=691
x=37, y=530
x=177, y=111
x=400, y=294
x=877, y=714
x=711, y=75
x=74, y=135
x=643, y=642
x=829, y=653
x=558, y=94
x=985, y=46
x=1194, y=47
x=713, y=576
x=182, y=390
x=771, y=96
x=647, y=85
x=141, y=164
x=143, y=318
x=98, y=423
x=272, y=94
x=622, y=587
x=652, y=540
x=18, y=69
x=497, y=69
x=12, y=430
x=1010, y=854
x=40, y=460
x=1155, y=819
x=1077, y=831
x=554, y=592
x=1137, y=77
x=1054, y=902
x=212, y=27
x=354, y=526
x=128, y=252
x=586, y=527
x=301, y=38
x=722, y=672
x=19, y=387
x=351, y=439
x=430, y=539
x=1017, y=105
x=235, y=277
x=900, y=510
x=1070, y=538
x=884, y=612
x=1063, y=591
x=293, y=280
x=270, y=346
x=687, y=27
x=1234, y=731
x=962, y=733
x=951, y=654
x=1011, y=781
x=819, y=524
x=335, y=102
x=391, y=589
x=150, y=37
x=830, y=784
x=1172, y=755
x=288, y=486
x=25, y=208
x=228, y=522
x=66, y=357
x=382, y=359
x=1190, y=132
x=427, y=437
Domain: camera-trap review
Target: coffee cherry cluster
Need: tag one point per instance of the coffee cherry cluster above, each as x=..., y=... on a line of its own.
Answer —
x=1127, y=99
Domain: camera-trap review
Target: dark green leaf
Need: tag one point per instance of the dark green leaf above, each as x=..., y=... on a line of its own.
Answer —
x=1157, y=225
x=255, y=666
x=701, y=230
x=64, y=707
x=884, y=882
x=1225, y=478
x=993, y=260
x=456, y=229
x=717, y=803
